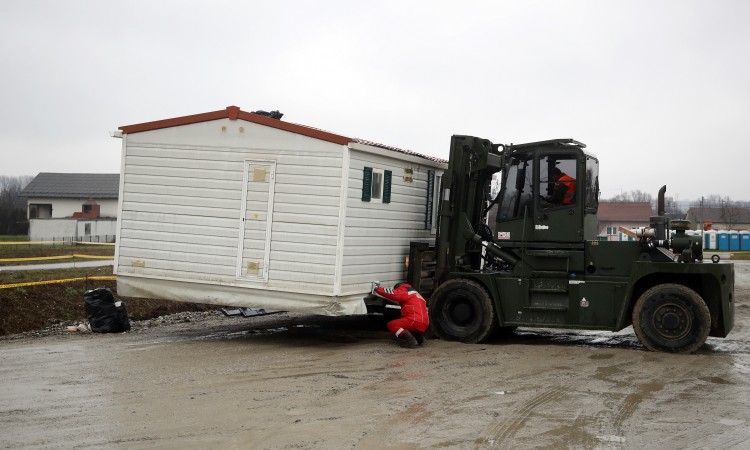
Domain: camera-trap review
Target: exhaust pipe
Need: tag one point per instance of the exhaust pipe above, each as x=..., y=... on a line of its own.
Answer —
x=658, y=222
x=660, y=202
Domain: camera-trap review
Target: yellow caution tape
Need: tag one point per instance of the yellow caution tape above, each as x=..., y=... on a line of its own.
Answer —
x=36, y=258
x=94, y=256
x=31, y=242
x=47, y=258
x=38, y=283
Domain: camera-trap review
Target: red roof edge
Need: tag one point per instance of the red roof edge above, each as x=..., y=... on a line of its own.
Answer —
x=234, y=113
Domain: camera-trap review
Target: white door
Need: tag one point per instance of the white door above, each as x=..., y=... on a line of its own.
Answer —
x=255, y=220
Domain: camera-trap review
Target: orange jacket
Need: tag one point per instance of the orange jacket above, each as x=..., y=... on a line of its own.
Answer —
x=570, y=189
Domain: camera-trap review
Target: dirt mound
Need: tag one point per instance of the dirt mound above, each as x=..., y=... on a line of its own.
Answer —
x=28, y=308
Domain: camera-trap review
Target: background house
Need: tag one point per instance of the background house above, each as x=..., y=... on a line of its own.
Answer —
x=720, y=218
x=78, y=206
x=621, y=214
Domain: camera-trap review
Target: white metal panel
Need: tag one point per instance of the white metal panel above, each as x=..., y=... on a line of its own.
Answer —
x=177, y=210
x=201, y=291
x=226, y=135
x=195, y=248
x=377, y=235
x=121, y=189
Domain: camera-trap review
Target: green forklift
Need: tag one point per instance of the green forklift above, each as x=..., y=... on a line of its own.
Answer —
x=517, y=246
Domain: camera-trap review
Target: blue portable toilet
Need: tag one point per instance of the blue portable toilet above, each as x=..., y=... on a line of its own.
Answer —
x=744, y=240
x=734, y=241
x=722, y=238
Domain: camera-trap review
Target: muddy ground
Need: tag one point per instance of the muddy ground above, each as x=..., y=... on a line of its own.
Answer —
x=290, y=381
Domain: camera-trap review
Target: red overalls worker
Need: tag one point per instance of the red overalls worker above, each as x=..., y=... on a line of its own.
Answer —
x=414, y=321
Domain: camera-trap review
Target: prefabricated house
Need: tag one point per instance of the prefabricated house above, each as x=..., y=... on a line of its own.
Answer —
x=243, y=209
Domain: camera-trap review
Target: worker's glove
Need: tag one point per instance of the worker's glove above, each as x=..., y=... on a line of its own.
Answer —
x=375, y=285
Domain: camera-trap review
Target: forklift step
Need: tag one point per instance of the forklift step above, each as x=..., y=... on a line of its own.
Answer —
x=549, y=274
x=549, y=290
x=547, y=307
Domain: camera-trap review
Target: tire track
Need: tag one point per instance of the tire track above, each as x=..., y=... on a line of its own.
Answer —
x=630, y=404
x=503, y=431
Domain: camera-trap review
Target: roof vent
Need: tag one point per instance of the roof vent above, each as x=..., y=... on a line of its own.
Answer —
x=272, y=114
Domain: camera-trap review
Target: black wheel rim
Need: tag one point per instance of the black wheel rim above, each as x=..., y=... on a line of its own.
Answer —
x=672, y=321
x=461, y=312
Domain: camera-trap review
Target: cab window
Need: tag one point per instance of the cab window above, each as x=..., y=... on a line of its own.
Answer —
x=516, y=196
x=558, y=186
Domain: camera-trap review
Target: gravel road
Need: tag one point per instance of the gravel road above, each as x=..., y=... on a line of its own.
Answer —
x=291, y=381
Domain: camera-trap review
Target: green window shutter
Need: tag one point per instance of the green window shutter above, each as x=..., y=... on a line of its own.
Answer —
x=387, y=175
x=367, y=184
x=430, y=195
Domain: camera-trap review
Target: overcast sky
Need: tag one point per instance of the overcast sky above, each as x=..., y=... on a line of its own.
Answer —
x=658, y=90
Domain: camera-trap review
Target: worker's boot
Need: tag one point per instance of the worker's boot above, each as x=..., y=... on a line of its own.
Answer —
x=419, y=337
x=406, y=340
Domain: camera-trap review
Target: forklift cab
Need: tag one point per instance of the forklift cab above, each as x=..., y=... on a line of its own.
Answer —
x=547, y=190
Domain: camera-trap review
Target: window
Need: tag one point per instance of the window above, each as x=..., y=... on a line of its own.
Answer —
x=592, y=184
x=516, y=195
x=86, y=208
x=376, y=185
x=87, y=229
x=40, y=211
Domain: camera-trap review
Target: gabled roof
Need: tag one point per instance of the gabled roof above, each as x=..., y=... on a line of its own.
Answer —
x=234, y=113
x=624, y=212
x=74, y=185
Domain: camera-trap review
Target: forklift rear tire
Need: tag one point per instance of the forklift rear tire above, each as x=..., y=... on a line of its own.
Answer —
x=462, y=310
x=671, y=318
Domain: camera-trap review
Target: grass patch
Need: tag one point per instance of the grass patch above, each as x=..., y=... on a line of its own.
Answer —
x=740, y=256
x=13, y=237
x=35, y=251
x=30, y=308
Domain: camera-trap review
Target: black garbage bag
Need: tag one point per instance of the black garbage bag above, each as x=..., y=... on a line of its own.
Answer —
x=105, y=314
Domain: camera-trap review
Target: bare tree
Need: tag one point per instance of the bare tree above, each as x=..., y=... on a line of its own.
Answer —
x=671, y=206
x=12, y=207
x=730, y=214
x=632, y=196
x=713, y=201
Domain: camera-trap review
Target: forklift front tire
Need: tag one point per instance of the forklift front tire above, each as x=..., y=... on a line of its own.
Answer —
x=462, y=310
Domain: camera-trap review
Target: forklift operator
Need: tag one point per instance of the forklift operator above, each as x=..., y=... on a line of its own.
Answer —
x=564, y=191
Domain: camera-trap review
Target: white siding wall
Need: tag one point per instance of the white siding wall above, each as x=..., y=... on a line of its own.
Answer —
x=65, y=207
x=182, y=198
x=98, y=228
x=47, y=229
x=377, y=235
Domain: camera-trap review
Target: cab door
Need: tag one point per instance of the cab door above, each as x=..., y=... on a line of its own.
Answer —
x=558, y=215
